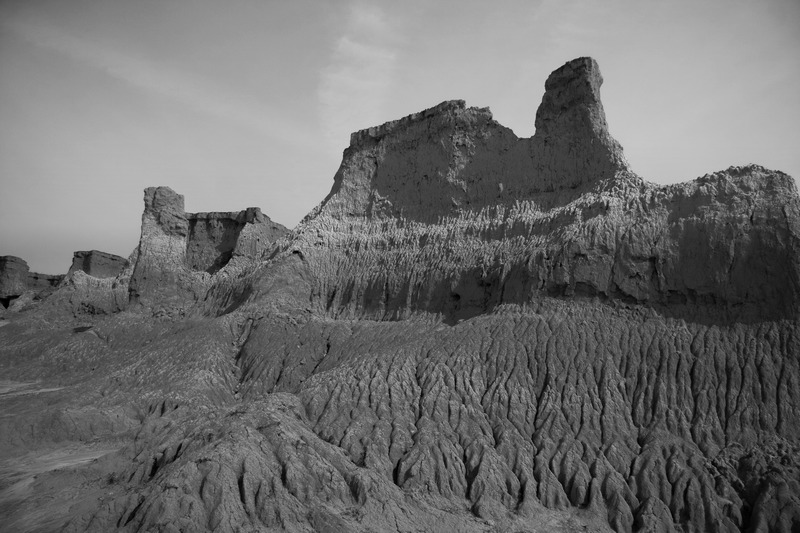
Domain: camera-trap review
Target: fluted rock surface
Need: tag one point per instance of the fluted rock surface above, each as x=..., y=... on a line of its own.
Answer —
x=446, y=211
x=472, y=332
x=616, y=346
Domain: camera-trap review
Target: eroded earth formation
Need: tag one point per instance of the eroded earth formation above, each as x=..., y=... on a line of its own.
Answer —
x=472, y=332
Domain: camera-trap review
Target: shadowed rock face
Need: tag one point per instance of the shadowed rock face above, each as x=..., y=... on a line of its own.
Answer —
x=13, y=276
x=572, y=143
x=16, y=280
x=215, y=238
x=472, y=332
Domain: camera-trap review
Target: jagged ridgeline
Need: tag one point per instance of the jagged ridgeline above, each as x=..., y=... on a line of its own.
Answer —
x=472, y=332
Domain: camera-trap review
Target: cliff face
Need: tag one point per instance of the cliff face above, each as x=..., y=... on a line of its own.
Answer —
x=13, y=276
x=17, y=280
x=451, y=159
x=178, y=251
x=447, y=212
x=98, y=264
x=472, y=332
x=615, y=346
x=215, y=238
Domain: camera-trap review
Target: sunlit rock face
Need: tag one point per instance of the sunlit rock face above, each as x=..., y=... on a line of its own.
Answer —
x=471, y=332
x=97, y=264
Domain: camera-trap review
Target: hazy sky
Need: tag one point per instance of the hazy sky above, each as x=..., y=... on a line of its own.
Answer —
x=242, y=103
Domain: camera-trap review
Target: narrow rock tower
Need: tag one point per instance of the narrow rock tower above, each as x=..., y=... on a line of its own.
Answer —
x=572, y=145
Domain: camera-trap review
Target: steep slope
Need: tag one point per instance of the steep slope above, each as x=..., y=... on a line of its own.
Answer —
x=472, y=332
x=671, y=364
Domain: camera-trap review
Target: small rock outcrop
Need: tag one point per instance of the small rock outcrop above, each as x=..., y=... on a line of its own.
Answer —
x=98, y=264
x=16, y=279
x=13, y=278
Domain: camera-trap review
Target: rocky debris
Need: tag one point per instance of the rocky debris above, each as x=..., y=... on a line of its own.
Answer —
x=471, y=332
x=98, y=264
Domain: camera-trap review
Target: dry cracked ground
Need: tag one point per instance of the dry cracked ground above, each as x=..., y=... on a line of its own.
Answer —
x=472, y=332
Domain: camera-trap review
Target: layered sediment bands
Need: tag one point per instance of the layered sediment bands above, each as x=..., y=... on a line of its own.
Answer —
x=613, y=346
x=446, y=211
x=723, y=247
x=472, y=332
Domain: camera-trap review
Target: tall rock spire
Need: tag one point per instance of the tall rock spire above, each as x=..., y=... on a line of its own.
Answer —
x=572, y=145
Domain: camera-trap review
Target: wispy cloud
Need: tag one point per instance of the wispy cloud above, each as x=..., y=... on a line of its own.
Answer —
x=201, y=95
x=354, y=85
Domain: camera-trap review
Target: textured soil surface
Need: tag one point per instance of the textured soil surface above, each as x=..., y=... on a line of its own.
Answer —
x=472, y=332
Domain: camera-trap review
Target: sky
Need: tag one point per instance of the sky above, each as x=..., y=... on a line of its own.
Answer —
x=251, y=102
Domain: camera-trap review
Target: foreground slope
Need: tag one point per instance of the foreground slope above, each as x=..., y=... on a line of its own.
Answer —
x=472, y=332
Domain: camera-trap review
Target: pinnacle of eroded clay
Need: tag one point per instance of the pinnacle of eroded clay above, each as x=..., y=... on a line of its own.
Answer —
x=572, y=142
x=573, y=89
x=159, y=274
x=164, y=208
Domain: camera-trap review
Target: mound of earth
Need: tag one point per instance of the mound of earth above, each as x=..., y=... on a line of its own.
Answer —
x=472, y=332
